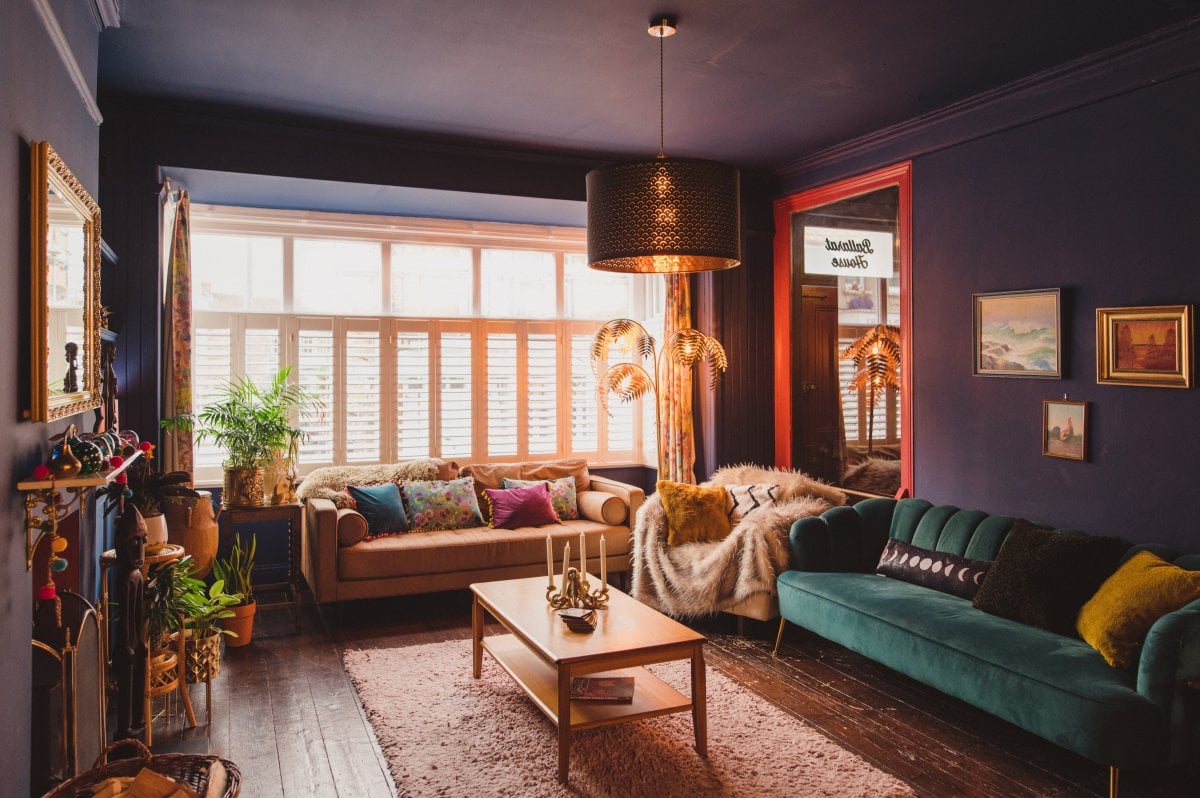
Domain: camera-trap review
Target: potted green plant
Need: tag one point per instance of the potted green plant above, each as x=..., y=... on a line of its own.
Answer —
x=236, y=572
x=204, y=608
x=150, y=491
x=253, y=425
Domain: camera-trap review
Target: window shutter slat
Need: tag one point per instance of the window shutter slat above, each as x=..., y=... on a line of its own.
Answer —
x=456, y=394
x=362, y=396
x=412, y=394
x=542, y=386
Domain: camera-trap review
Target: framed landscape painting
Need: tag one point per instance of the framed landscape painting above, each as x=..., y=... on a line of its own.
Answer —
x=1064, y=429
x=1150, y=346
x=1017, y=334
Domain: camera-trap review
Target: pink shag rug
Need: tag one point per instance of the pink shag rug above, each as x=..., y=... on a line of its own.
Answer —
x=446, y=734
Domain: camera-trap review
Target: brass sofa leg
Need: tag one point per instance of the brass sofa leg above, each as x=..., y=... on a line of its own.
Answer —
x=779, y=636
x=1114, y=781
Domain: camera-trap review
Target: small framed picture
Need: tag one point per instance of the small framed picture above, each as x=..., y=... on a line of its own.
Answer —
x=1149, y=346
x=1064, y=429
x=1017, y=334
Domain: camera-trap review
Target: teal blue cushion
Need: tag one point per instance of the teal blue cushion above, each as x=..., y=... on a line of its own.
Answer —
x=383, y=508
x=1054, y=686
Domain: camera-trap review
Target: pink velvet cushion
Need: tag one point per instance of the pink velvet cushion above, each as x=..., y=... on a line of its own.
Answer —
x=517, y=507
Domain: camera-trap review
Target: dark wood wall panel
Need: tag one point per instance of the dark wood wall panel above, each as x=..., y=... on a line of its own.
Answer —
x=735, y=306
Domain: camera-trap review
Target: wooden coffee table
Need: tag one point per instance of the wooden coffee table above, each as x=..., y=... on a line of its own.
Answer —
x=542, y=655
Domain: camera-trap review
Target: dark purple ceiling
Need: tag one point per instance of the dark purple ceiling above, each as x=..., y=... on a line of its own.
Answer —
x=759, y=83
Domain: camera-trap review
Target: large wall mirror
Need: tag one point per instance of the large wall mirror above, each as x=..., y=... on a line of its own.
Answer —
x=842, y=331
x=65, y=290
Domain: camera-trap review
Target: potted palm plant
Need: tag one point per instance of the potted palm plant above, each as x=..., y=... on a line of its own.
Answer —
x=253, y=425
x=236, y=572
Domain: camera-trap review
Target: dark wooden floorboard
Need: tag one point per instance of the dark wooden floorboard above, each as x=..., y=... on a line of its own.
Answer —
x=287, y=713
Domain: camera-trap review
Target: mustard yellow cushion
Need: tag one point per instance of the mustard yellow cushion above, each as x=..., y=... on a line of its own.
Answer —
x=694, y=514
x=1117, y=619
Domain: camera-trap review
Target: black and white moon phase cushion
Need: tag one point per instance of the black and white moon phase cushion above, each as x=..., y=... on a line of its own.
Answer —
x=937, y=570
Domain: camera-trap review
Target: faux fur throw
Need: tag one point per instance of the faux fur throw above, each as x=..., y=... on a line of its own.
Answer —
x=330, y=482
x=703, y=578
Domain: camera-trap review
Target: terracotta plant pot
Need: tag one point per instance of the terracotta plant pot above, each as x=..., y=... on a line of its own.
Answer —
x=243, y=487
x=156, y=532
x=241, y=624
x=196, y=529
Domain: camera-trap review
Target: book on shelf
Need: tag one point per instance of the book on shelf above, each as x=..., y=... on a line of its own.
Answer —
x=610, y=689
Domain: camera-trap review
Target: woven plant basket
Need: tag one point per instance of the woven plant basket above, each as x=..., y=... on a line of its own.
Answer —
x=203, y=658
x=187, y=769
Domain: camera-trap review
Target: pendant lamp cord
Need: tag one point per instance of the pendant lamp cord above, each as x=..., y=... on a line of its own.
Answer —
x=662, y=153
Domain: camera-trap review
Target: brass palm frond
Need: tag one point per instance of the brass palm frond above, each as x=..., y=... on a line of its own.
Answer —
x=626, y=381
x=688, y=346
x=876, y=356
x=620, y=332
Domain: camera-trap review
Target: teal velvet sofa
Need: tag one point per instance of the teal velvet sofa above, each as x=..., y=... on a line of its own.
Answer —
x=1054, y=686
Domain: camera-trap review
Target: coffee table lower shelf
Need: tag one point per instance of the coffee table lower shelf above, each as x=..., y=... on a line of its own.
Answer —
x=539, y=679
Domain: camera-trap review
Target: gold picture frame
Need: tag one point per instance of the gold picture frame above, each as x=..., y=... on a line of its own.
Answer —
x=1144, y=346
x=64, y=283
x=1018, y=334
x=1064, y=429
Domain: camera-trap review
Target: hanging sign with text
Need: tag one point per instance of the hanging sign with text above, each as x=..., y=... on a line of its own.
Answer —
x=852, y=253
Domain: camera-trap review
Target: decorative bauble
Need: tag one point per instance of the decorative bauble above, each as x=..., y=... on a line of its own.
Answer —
x=91, y=459
x=58, y=564
x=41, y=472
x=58, y=545
x=63, y=462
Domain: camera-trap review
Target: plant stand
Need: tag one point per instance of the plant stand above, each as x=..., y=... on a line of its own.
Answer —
x=294, y=515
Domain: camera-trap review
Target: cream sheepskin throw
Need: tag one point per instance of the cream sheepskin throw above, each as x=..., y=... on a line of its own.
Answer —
x=695, y=579
x=330, y=482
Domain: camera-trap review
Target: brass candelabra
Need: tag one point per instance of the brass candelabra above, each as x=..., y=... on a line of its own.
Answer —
x=576, y=592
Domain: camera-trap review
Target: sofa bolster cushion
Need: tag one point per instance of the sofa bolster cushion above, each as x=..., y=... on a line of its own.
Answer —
x=351, y=527
x=601, y=507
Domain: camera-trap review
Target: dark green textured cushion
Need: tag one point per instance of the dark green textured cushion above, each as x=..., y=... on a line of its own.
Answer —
x=1042, y=577
x=1056, y=687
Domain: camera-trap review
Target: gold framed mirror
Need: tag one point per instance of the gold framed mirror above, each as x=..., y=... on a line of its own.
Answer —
x=64, y=290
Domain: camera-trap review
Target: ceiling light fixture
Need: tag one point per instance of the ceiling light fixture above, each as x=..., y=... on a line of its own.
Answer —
x=664, y=215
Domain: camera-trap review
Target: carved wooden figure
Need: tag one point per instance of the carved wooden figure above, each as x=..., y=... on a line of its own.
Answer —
x=129, y=651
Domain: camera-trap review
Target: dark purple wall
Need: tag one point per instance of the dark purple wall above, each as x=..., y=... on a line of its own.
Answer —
x=38, y=101
x=1101, y=202
x=1097, y=196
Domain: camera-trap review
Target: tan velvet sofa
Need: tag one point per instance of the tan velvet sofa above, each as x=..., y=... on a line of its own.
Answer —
x=426, y=562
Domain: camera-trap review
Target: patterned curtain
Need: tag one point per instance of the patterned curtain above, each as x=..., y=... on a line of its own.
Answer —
x=676, y=444
x=177, y=339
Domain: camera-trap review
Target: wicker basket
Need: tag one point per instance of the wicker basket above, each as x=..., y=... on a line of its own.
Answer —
x=184, y=768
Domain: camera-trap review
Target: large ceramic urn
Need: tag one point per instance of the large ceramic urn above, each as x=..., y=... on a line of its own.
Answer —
x=195, y=528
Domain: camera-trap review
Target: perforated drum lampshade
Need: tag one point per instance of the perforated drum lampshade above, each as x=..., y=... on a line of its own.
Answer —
x=665, y=215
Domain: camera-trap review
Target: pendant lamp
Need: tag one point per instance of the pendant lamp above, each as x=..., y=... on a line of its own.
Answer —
x=663, y=215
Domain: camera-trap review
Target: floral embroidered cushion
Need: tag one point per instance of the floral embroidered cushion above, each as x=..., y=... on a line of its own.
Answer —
x=441, y=504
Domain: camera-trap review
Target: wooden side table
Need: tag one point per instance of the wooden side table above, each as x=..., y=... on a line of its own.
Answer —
x=293, y=513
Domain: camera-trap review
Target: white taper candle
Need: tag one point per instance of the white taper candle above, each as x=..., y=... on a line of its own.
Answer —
x=582, y=557
x=566, y=565
x=549, y=561
x=603, y=565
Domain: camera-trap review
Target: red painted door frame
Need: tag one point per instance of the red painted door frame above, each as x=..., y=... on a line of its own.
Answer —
x=899, y=175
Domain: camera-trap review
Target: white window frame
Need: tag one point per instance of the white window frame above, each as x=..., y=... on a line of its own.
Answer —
x=477, y=236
